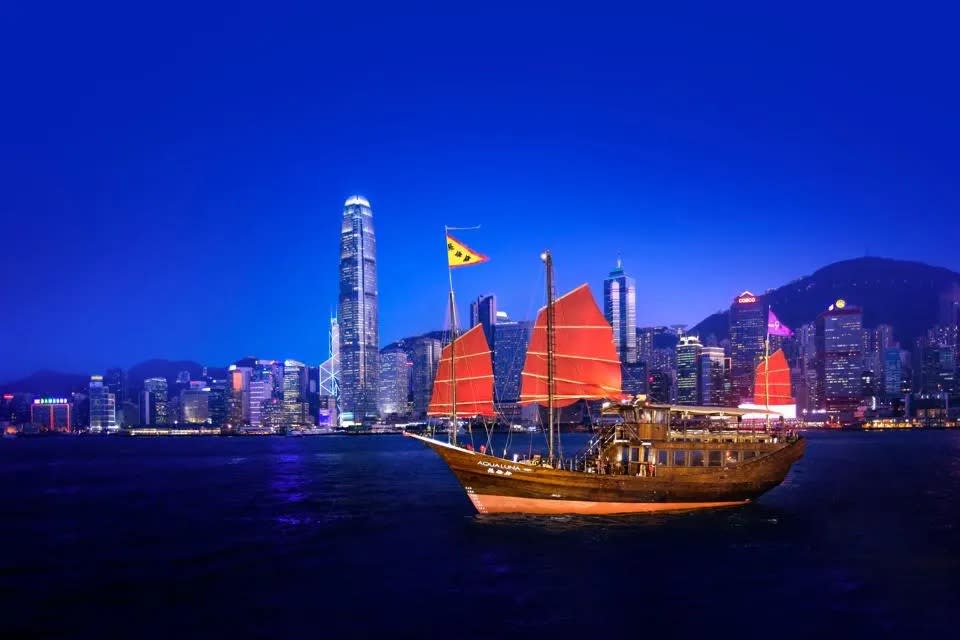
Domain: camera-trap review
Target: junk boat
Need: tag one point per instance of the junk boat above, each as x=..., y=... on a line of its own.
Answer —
x=654, y=458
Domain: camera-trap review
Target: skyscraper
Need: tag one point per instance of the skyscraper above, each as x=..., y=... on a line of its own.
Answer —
x=153, y=402
x=426, y=355
x=620, y=309
x=194, y=403
x=357, y=311
x=748, y=329
x=688, y=356
x=510, y=349
x=294, y=393
x=394, y=381
x=712, y=377
x=839, y=357
x=103, y=408
x=483, y=311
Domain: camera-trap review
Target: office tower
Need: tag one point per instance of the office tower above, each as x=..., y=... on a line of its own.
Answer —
x=839, y=357
x=52, y=414
x=483, y=311
x=659, y=386
x=103, y=415
x=394, y=381
x=688, y=355
x=620, y=309
x=218, y=402
x=511, y=338
x=712, y=377
x=116, y=383
x=633, y=378
x=261, y=393
x=194, y=404
x=357, y=311
x=892, y=372
x=426, y=355
x=153, y=402
x=748, y=330
x=238, y=409
x=327, y=413
x=294, y=393
x=807, y=389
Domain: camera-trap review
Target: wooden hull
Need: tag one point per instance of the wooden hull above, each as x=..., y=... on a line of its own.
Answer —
x=495, y=485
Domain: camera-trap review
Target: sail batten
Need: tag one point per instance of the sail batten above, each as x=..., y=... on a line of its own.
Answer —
x=586, y=365
x=473, y=379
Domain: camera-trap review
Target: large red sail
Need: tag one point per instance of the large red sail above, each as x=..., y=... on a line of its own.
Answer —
x=473, y=366
x=586, y=365
x=779, y=377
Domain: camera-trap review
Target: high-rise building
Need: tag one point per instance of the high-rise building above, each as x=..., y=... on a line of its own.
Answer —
x=620, y=309
x=688, y=356
x=218, y=402
x=394, y=381
x=633, y=378
x=713, y=377
x=261, y=393
x=892, y=372
x=426, y=355
x=748, y=330
x=659, y=384
x=807, y=393
x=194, y=403
x=239, y=404
x=294, y=393
x=153, y=402
x=647, y=341
x=357, y=311
x=511, y=338
x=483, y=311
x=52, y=414
x=839, y=357
x=103, y=408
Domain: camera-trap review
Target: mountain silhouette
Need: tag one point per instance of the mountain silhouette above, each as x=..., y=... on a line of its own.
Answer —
x=901, y=293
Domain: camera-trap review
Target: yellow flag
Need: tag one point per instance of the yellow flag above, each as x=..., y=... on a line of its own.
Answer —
x=460, y=255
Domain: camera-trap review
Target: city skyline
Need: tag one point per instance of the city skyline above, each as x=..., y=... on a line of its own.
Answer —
x=182, y=204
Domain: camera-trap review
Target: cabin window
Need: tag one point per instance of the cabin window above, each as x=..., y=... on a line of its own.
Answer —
x=663, y=457
x=732, y=457
x=749, y=455
x=679, y=458
x=634, y=454
x=696, y=458
x=715, y=458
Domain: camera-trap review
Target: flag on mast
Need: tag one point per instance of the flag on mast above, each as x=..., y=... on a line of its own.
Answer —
x=460, y=255
x=775, y=327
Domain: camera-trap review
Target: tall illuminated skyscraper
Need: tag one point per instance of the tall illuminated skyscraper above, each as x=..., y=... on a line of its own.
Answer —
x=103, y=408
x=688, y=358
x=357, y=311
x=294, y=393
x=620, y=309
x=748, y=329
x=839, y=357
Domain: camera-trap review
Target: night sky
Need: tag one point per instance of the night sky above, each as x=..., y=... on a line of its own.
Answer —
x=172, y=177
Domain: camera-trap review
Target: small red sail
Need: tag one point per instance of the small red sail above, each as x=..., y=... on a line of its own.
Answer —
x=473, y=366
x=586, y=365
x=779, y=378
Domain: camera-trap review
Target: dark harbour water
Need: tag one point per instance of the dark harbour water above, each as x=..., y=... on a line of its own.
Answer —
x=366, y=536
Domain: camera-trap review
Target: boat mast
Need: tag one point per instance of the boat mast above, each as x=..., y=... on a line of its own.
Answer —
x=452, y=431
x=766, y=373
x=548, y=261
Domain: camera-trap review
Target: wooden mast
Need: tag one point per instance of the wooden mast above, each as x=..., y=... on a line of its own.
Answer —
x=452, y=431
x=548, y=261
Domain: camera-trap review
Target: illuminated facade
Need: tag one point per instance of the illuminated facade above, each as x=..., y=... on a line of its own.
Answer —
x=103, y=408
x=426, y=355
x=153, y=402
x=510, y=348
x=712, y=382
x=840, y=357
x=748, y=329
x=357, y=311
x=688, y=357
x=294, y=393
x=620, y=309
x=394, y=381
x=194, y=404
x=52, y=414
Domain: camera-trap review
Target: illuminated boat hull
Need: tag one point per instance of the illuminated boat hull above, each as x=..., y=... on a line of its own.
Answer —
x=496, y=485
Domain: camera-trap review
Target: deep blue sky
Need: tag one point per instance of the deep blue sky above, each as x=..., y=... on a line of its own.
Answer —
x=171, y=178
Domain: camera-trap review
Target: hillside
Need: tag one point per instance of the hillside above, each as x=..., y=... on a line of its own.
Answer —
x=903, y=294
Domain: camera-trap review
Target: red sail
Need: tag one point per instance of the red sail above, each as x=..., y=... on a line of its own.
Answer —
x=779, y=378
x=586, y=365
x=474, y=374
